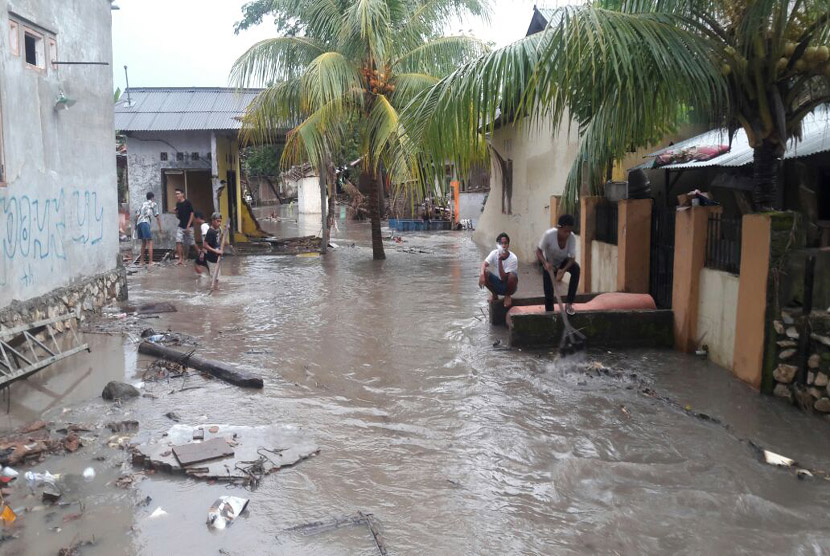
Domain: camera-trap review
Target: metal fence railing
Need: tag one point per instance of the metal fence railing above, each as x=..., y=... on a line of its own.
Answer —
x=723, y=243
x=606, y=223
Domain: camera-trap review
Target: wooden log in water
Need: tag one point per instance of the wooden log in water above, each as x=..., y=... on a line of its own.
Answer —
x=213, y=368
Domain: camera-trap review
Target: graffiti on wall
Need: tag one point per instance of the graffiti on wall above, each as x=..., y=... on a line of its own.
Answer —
x=37, y=232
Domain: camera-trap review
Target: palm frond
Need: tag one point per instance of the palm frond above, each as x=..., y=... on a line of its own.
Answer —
x=316, y=137
x=272, y=112
x=440, y=56
x=330, y=77
x=409, y=85
x=369, y=20
x=273, y=60
x=382, y=124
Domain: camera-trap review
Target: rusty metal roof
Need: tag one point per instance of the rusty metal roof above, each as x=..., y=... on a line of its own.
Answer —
x=815, y=138
x=182, y=108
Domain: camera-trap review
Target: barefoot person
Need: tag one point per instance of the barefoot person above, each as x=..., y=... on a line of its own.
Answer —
x=557, y=254
x=499, y=271
x=149, y=210
x=184, y=232
x=212, y=247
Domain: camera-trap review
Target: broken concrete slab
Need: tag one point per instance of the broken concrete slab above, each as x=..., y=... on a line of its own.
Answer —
x=258, y=451
x=198, y=452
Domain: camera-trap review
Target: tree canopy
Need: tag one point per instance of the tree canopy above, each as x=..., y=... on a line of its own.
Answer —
x=350, y=65
x=629, y=71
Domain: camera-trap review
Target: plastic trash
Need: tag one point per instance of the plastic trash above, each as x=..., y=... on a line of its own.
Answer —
x=776, y=459
x=7, y=515
x=224, y=510
x=156, y=338
x=36, y=479
x=89, y=474
x=158, y=512
x=9, y=473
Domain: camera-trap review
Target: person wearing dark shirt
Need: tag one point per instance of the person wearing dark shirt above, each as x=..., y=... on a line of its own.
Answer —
x=184, y=232
x=211, y=247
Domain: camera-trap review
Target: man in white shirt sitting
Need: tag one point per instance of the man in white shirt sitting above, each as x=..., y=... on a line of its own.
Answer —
x=499, y=271
x=557, y=254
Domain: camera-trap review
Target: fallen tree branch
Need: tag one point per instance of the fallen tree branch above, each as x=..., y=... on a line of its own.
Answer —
x=213, y=368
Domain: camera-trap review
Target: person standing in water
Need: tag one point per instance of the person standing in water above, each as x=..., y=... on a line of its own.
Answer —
x=557, y=255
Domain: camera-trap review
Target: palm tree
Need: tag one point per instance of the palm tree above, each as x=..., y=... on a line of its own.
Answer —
x=351, y=65
x=627, y=71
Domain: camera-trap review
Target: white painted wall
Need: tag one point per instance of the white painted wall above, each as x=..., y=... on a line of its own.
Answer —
x=717, y=314
x=58, y=211
x=542, y=158
x=470, y=205
x=603, y=267
x=308, y=195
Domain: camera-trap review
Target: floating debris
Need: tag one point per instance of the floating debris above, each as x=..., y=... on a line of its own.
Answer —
x=776, y=459
x=257, y=451
x=224, y=510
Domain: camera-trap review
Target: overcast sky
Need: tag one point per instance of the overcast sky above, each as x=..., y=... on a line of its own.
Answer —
x=184, y=43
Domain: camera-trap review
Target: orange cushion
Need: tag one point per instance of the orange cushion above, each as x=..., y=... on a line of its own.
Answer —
x=615, y=301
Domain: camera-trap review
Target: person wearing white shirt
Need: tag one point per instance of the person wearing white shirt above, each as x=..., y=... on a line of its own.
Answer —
x=557, y=253
x=499, y=271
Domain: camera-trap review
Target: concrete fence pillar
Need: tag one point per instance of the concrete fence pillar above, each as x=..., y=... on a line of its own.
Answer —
x=587, y=231
x=766, y=242
x=689, y=258
x=752, y=296
x=633, y=245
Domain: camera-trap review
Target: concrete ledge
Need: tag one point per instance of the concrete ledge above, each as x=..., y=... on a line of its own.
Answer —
x=86, y=295
x=606, y=329
x=498, y=314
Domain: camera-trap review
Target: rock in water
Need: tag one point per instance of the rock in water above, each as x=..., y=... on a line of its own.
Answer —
x=823, y=405
x=119, y=391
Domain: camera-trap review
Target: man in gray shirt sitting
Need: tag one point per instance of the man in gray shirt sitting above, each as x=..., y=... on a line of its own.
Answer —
x=557, y=253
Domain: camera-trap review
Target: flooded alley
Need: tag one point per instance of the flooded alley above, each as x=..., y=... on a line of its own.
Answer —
x=425, y=419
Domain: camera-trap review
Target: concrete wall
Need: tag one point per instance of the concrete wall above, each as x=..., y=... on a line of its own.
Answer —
x=470, y=205
x=542, y=158
x=308, y=195
x=145, y=168
x=603, y=267
x=717, y=314
x=59, y=206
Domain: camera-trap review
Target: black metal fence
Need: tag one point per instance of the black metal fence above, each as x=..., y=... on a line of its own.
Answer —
x=606, y=230
x=723, y=243
x=661, y=272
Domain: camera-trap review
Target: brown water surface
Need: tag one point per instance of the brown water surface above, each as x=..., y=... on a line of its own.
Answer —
x=456, y=446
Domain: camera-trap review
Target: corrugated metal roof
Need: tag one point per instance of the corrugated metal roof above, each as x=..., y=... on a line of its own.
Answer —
x=182, y=108
x=815, y=133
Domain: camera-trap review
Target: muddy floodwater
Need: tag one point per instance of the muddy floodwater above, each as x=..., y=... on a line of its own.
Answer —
x=456, y=445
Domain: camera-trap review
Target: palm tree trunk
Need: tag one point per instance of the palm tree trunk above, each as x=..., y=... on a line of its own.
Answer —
x=322, y=172
x=765, y=169
x=374, y=215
